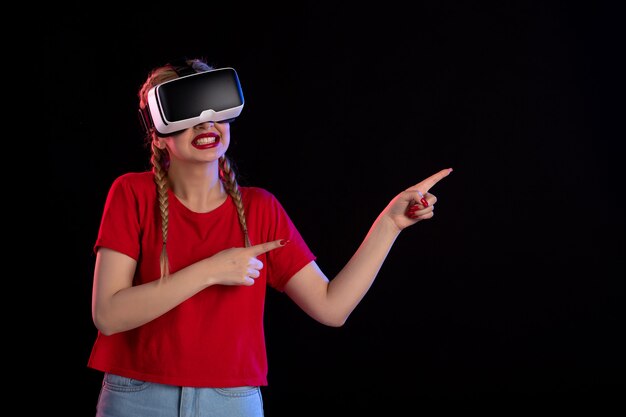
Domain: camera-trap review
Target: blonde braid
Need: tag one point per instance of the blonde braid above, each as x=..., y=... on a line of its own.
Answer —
x=159, y=162
x=160, y=158
x=227, y=175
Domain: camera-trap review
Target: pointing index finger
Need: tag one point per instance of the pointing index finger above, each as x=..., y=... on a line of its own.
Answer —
x=262, y=248
x=429, y=182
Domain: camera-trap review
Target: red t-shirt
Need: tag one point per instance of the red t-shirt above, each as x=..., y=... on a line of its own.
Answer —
x=216, y=337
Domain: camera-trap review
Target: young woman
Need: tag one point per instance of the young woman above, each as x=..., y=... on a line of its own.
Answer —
x=183, y=258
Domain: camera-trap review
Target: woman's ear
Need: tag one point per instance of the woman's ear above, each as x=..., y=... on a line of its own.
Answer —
x=158, y=142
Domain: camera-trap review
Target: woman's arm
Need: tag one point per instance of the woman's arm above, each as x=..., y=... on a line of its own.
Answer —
x=332, y=301
x=117, y=305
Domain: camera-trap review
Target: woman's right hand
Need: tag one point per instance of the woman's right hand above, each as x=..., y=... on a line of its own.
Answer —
x=239, y=266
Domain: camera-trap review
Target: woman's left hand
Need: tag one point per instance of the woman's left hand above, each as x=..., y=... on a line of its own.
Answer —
x=415, y=203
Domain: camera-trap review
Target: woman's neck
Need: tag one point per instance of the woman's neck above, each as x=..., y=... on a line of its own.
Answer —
x=198, y=187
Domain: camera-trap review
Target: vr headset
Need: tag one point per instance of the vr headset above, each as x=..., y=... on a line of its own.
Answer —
x=191, y=99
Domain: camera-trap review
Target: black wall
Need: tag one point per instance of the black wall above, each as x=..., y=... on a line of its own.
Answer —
x=514, y=291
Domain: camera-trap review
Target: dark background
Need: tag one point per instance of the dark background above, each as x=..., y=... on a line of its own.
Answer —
x=513, y=292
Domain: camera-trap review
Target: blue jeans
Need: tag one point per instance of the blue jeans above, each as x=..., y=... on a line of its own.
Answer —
x=121, y=397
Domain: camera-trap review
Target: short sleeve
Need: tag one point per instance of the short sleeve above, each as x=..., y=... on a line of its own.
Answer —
x=120, y=225
x=285, y=262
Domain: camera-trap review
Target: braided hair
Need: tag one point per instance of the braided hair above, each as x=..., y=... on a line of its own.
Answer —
x=160, y=161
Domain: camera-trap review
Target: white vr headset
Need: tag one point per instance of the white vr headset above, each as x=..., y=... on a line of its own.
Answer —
x=181, y=103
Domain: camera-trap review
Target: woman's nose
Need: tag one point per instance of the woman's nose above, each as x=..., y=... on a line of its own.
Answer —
x=205, y=125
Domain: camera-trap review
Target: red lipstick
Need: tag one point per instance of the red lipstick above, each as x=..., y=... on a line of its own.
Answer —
x=206, y=141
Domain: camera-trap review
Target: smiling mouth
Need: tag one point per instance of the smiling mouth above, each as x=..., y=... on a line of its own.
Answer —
x=206, y=141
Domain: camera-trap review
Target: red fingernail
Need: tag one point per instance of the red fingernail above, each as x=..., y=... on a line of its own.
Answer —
x=424, y=202
x=283, y=242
